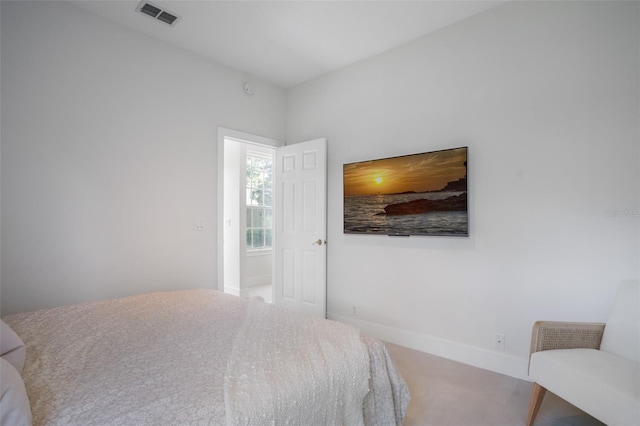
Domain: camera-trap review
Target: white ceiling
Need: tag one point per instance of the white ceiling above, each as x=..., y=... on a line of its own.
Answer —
x=289, y=42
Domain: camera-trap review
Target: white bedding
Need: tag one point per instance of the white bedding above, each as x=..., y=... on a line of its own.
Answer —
x=188, y=357
x=308, y=371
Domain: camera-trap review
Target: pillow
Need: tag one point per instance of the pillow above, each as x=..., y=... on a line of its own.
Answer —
x=14, y=403
x=11, y=347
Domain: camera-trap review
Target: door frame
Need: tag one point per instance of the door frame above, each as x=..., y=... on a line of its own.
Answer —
x=225, y=133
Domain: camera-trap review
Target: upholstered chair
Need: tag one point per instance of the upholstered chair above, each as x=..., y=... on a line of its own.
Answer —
x=590, y=365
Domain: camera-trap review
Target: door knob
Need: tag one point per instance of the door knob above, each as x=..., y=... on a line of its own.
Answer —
x=318, y=242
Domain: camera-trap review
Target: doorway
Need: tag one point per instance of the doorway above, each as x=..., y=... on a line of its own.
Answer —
x=245, y=194
x=298, y=250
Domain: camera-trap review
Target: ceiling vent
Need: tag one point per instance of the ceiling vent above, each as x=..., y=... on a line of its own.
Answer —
x=157, y=13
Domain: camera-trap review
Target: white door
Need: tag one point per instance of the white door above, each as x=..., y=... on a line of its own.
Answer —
x=300, y=227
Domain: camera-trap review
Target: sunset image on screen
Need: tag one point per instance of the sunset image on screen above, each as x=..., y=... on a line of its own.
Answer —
x=416, y=173
x=420, y=194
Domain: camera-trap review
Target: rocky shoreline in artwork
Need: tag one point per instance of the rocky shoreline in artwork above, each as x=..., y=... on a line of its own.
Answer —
x=456, y=203
x=450, y=204
x=457, y=185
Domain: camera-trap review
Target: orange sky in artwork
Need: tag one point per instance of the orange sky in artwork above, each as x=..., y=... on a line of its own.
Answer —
x=419, y=173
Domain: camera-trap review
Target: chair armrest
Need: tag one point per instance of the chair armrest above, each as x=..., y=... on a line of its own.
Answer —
x=566, y=335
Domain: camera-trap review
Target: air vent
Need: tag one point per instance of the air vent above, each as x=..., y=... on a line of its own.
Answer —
x=156, y=13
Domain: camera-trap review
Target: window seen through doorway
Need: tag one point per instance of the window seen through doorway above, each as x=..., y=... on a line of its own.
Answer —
x=259, y=202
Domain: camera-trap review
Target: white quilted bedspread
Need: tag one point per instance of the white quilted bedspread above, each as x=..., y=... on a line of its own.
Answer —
x=308, y=371
x=201, y=357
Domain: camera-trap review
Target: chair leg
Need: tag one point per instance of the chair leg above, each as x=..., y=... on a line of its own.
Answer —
x=537, y=395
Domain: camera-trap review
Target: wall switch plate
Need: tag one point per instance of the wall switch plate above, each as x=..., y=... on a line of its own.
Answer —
x=199, y=224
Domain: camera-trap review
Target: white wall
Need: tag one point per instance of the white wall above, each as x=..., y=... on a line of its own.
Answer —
x=546, y=96
x=108, y=155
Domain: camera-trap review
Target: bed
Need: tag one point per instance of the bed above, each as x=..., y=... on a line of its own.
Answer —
x=202, y=357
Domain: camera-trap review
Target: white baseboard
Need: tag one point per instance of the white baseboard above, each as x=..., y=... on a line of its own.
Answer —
x=489, y=360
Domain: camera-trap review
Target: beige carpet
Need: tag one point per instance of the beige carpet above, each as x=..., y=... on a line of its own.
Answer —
x=445, y=392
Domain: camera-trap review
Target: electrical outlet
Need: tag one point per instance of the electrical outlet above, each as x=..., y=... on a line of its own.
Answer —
x=498, y=341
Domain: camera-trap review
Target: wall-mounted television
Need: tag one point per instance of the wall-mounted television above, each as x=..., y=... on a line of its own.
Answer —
x=418, y=194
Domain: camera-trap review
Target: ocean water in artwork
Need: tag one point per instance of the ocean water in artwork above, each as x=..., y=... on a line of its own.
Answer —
x=365, y=214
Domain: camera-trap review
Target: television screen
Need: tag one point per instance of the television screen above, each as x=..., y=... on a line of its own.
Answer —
x=419, y=194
